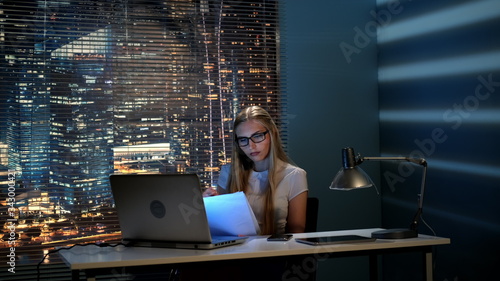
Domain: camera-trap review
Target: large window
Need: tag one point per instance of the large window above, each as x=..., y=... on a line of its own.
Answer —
x=95, y=87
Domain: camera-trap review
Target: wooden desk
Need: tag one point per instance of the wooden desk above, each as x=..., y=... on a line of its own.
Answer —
x=92, y=257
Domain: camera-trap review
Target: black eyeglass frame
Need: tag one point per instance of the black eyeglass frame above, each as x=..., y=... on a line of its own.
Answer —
x=251, y=138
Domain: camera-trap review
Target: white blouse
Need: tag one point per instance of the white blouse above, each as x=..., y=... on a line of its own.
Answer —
x=293, y=183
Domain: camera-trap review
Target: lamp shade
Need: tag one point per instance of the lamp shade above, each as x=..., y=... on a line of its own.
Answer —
x=351, y=178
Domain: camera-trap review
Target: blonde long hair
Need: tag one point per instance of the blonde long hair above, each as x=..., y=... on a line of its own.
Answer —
x=242, y=166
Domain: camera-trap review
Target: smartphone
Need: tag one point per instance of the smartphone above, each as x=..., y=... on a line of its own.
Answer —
x=280, y=237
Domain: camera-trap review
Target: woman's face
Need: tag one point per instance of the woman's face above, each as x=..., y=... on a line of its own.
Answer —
x=257, y=152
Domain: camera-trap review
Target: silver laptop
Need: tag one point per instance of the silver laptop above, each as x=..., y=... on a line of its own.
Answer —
x=164, y=210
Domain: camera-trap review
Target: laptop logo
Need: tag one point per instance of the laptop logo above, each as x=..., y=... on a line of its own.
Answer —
x=157, y=209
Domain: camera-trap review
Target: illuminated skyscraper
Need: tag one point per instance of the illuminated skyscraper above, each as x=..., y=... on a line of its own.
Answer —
x=27, y=98
x=81, y=123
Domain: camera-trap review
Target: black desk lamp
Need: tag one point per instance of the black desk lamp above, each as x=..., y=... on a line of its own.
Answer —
x=352, y=177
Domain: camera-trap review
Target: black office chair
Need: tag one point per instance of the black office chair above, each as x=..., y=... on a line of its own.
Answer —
x=312, y=214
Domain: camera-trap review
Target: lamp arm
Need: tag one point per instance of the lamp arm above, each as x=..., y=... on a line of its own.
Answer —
x=419, y=161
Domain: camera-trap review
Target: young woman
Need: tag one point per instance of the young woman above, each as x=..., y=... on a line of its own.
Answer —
x=275, y=188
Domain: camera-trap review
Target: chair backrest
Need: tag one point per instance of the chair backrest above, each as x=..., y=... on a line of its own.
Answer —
x=312, y=214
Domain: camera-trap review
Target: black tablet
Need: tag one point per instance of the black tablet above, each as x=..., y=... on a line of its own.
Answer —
x=328, y=240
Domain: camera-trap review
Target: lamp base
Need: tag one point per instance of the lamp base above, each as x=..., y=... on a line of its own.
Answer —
x=395, y=233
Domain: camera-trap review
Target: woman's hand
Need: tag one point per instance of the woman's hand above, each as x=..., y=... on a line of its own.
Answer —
x=211, y=191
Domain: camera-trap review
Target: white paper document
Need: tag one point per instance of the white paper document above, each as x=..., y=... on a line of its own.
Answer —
x=231, y=214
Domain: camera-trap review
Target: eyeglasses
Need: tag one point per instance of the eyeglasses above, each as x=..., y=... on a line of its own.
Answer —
x=256, y=138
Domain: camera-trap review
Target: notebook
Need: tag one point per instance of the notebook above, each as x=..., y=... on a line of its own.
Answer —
x=164, y=210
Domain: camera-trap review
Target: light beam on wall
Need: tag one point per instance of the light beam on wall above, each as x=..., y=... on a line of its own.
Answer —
x=466, y=168
x=474, y=63
x=439, y=116
x=447, y=18
x=460, y=167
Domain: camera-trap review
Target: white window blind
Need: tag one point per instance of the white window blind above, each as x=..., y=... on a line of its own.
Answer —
x=92, y=87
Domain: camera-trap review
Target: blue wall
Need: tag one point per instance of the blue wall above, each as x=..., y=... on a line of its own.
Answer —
x=427, y=85
x=435, y=58
x=332, y=103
